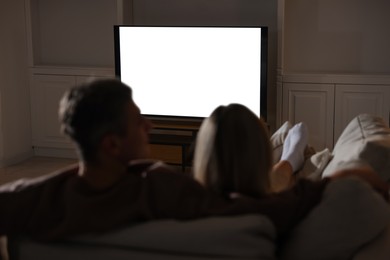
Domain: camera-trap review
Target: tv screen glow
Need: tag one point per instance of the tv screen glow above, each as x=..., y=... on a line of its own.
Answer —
x=189, y=71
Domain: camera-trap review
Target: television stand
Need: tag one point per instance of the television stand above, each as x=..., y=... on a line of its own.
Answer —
x=173, y=143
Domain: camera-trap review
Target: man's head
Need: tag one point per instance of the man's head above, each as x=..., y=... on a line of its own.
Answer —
x=103, y=114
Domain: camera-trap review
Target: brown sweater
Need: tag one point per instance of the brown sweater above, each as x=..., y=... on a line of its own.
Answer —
x=62, y=204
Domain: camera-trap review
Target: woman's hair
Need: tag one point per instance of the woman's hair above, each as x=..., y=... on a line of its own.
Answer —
x=233, y=152
x=90, y=111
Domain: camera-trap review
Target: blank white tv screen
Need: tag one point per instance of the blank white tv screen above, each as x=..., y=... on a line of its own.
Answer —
x=189, y=71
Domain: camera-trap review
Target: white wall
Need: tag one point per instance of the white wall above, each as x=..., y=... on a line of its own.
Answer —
x=15, y=126
x=336, y=36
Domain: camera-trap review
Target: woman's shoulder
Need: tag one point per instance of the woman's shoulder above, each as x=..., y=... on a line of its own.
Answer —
x=156, y=169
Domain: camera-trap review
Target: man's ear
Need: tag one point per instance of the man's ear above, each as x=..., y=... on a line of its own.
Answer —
x=111, y=144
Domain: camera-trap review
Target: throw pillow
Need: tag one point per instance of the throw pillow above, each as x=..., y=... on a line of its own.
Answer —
x=365, y=141
x=314, y=166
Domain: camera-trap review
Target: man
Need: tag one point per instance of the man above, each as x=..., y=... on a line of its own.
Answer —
x=104, y=191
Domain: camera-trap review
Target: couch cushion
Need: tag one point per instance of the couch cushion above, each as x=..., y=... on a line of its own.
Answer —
x=365, y=141
x=350, y=215
x=236, y=237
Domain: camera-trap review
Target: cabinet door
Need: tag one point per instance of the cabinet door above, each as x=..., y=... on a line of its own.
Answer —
x=46, y=92
x=314, y=105
x=352, y=100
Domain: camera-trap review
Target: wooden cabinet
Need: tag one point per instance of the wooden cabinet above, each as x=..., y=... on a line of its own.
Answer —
x=313, y=104
x=352, y=100
x=338, y=51
x=68, y=42
x=327, y=103
x=46, y=91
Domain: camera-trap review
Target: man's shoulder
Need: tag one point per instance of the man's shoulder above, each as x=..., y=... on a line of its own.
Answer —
x=54, y=177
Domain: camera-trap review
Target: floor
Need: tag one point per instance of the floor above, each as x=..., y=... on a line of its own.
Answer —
x=33, y=167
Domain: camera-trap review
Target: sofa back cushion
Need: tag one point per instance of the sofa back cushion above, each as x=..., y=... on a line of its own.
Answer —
x=236, y=237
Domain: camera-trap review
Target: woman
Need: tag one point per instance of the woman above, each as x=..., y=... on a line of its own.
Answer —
x=233, y=155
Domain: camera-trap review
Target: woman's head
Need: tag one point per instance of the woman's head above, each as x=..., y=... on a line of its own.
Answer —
x=233, y=152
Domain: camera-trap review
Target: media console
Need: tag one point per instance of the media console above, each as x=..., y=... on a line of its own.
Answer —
x=173, y=143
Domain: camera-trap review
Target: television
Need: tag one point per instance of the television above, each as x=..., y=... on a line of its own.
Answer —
x=185, y=72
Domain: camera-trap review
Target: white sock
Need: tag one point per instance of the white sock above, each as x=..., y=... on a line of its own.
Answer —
x=294, y=146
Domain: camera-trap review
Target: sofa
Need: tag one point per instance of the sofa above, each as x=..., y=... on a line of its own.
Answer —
x=351, y=221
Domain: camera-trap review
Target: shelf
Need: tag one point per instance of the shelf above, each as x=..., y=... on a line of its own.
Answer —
x=173, y=148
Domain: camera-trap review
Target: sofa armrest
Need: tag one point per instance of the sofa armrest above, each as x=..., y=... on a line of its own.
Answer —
x=377, y=249
x=349, y=216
